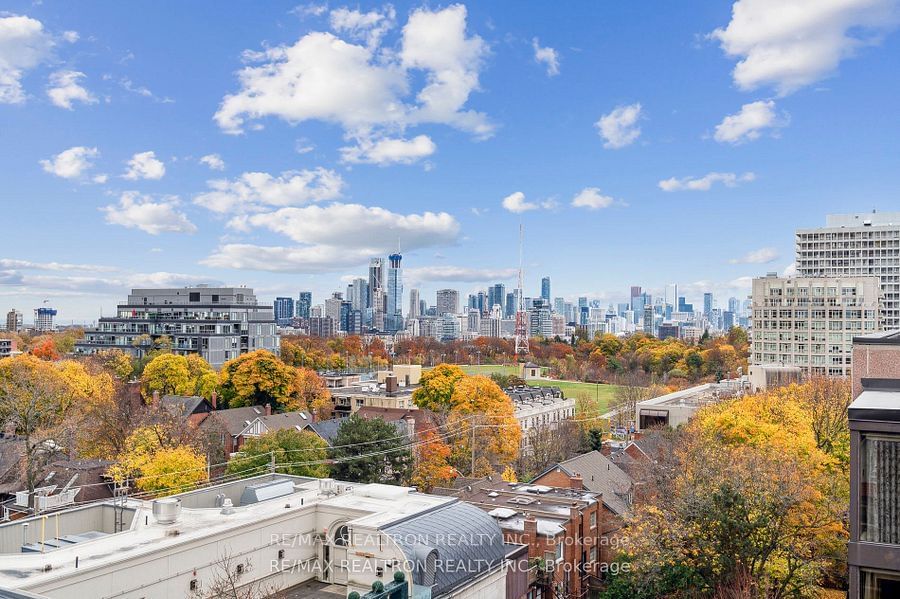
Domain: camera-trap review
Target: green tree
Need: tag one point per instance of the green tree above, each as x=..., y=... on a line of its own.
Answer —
x=293, y=451
x=370, y=451
x=258, y=378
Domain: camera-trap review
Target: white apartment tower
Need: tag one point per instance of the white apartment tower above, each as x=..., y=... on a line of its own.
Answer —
x=810, y=322
x=855, y=245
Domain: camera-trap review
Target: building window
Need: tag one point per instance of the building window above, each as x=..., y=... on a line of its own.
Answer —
x=194, y=297
x=593, y=519
x=880, y=489
x=593, y=554
x=879, y=585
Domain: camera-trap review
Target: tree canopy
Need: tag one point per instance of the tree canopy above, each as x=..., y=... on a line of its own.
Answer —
x=370, y=451
x=291, y=450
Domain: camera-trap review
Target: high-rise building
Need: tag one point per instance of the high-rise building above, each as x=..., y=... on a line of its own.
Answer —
x=333, y=309
x=284, y=310
x=707, y=304
x=14, y=321
x=635, y=293
x=559, y=306
x=854, y=245
x=414, y=307
x=540, y=322
x=734, y=306
x=509, y=310
x=447, y=301
x=218, y=323
x=545, y=290
x=358, y=294
x=377, y=297
x=810, y=322
x=43, y=319
x=304, y=304
x=394, y=311
x=496, y=296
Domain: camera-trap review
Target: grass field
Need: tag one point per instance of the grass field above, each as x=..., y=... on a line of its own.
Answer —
x=599, y=395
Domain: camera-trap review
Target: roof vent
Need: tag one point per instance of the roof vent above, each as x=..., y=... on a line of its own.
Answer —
x=166, y=510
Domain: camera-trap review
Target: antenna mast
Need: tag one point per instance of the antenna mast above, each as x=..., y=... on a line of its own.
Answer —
x=521, y=315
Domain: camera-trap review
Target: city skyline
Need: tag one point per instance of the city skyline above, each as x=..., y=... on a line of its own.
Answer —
x=569, y=122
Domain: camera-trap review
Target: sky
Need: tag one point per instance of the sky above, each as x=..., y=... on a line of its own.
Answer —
x=280, y=146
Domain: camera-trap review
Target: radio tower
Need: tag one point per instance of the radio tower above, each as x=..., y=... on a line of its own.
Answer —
x=521, y=314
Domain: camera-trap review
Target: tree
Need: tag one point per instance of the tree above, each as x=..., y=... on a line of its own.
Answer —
x=228, y=582
x=171, y=374
x=116, y=362
x=369, y=451
x=154, y=463
x=259, y=378
x=45, y=349
x=310, y=393
x=435, y=391
x=432, y=464
x=300, y=453
x=625, y=399
x=480, y=412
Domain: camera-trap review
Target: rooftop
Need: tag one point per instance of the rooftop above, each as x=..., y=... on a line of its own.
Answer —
x=878, y=405
x=699, y=395
x=879, y=338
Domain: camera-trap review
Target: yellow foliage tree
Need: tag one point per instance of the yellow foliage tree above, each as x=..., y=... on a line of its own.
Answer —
x=178, y=375
x=432, y=468
x=481, y=411
x=436, y=387
x=154, y=467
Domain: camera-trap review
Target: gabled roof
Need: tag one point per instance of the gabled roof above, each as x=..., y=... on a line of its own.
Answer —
x=276, y=422
x=185, y=405
x=234, y=420
x=326, y=429
x=599, y=475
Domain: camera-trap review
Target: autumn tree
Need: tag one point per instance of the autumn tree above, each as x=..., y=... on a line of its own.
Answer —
x=259, y=378
x=45, y=349
x=300, y=453
x=154, y=463
x=432, y=467
x=481, y=413
x=436, y=387
x=370, y=451
x=116, y=362
x=172, y=374
x=310, y=393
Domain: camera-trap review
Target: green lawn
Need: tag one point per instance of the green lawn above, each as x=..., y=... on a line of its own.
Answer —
x=489, y=369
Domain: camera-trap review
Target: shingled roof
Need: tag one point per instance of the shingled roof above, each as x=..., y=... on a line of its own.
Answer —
x=599, y=475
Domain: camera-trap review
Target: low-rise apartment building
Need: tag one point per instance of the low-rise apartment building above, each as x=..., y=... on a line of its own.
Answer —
x=217, y=323
x=810, y=322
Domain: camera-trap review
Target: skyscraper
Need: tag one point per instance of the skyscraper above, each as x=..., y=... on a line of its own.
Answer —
x=284, y=310
x=394, y=311
x=414, y=304
x=376, y=292
x=358, y=294
x=545, y=290
x=304, y=304
x=447, y=301
x=635, y=292
x=496, y=296
x=854, y=245
x=510, y=309
x=707, y=304
x=43, y=319
x=14, y=321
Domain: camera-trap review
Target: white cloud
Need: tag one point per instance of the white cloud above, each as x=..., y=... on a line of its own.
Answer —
x=790, y=270
x=792, y=43
x=101, y=178
x=591, y=198
x=515, y=202
x=11, y=263
x=547, y=56
x=619, y=128
x=144, y=165
x=462, y=274
x=151, y=216
x=71, y=163
x=705, y=182
x=389, y=151
x=257, y=191
x=322, y=77
x=749, y=123
x=213, y=161
x=71, y=36
x=64, y=88
x=24, y=44
x=333, y=237
x=141, y=90
x=760, y=256
x=369, y=27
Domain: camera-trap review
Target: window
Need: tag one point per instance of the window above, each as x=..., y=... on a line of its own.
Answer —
x=879, y=585
x=593, y=554
x=194, y=584
x=215, y=299
x=194, y=296
x=879, y=492
x=593, y=519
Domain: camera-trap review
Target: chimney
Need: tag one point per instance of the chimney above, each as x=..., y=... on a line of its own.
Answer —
x=155, y=397
x=530, y=535
x=606, y=448
x=391, y=384
x=214, y=400
x=576, y=482
x=268, y=409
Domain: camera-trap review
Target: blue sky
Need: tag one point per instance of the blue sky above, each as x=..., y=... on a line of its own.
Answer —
x=639, y=143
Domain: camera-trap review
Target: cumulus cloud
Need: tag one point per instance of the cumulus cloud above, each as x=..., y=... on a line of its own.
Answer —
x=461, y=274
x=260, y=191
x=11, y=263
x=592, y=199
x=369, y=27
x=364, y=87
x=145, y=165
x=24, y=44
x=546, y=56
x=749, y=123
x=620, y=128
x=790, y=270
x=136, y=211
x=760, y=256
x=389, y=151
x=789, y=44
x=213, y=161
x=332, y=237
x=515, y=202
x=71, y=163
x=705, y=182
x=65, y=88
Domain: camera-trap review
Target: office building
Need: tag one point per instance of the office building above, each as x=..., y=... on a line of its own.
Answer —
x=321, y=326
x=855, y=245
x=415, y=307
x=304, y=304
x=734, y=306
x=810, y=322
x=511, y=306
x=358, y=294
x=707, y=304
x=540, y=323
x=545, y=290
x=874, y=547
x=43, y=319
x=496, y=296
x=394, y=311
x=447, y=301
x=218, y=323
x=14, y=322
x=284, y=311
